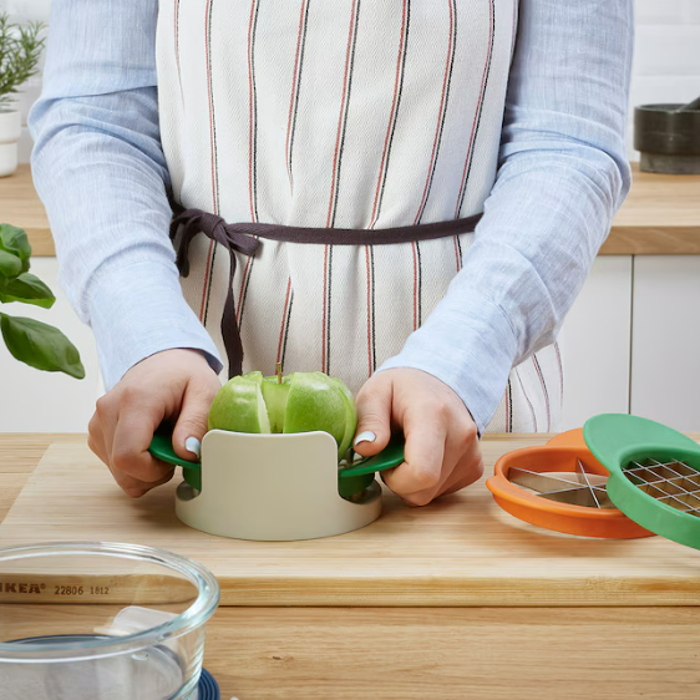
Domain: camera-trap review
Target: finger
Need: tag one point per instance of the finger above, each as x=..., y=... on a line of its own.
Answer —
x=105, y=418
x=373, y=416
x=132, y=437
x=96, y=439
x=418, y=479
x=469, y=469
x=134, y=487
x=463, y=463
x=192, y=422
x=130, y=485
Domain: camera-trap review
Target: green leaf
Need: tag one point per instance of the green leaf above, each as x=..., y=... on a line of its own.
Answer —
x=10, y=265
x=14, y=240
x=28, y=289
x=40, y=345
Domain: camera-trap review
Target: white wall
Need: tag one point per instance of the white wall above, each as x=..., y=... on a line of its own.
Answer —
x=666, y=62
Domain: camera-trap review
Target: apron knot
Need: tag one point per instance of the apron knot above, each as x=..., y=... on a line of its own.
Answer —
x=187, y=224
x=190, y=222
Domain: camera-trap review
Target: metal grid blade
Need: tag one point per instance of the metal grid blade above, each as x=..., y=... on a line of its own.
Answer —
x=674, y=482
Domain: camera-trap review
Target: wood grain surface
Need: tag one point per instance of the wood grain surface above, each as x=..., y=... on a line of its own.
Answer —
x=20, y=206
x=428, y=653
x=462, y=550
x=661, y=215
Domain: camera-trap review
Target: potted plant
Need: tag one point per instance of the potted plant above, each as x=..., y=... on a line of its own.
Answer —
x=32, y=342
x=20, y=51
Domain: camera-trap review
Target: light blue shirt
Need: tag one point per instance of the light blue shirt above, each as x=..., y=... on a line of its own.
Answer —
x=563, y=172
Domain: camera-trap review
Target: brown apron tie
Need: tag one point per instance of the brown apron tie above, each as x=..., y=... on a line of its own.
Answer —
x=244, y=238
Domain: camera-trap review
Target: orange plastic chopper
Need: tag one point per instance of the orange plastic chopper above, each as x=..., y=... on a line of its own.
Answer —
x=560, y=486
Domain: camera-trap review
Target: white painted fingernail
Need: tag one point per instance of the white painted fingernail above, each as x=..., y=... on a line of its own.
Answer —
x=365, y=436
x=194, y=446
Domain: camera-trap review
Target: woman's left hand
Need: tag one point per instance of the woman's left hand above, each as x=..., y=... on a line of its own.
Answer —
x=442, y=450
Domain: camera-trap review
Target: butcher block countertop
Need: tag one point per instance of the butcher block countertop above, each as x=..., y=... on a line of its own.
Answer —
x=661, y=215
x=454, y=601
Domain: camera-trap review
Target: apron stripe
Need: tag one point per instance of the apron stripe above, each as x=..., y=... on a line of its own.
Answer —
x=509, y=407
x=343, y=116
x=252, y=113
x=244, y=288
x=374, y=334
x=560, y=366
x=252, y=152
x=177, y=49
x=211, y=253
x=391, y=127
x=458, y=252
x=284, y=326
x=327, y=283
x=545, y=393
x=420, y=286
x=335, y=183
x=286, y=329
x=371, y=342
x=447, y=79
x=294, y=100
x=527, y=399
x=417, y=287
x=479, y=109
x=212, y=115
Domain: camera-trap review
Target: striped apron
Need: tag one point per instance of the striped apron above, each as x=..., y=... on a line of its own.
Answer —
x=338, y=114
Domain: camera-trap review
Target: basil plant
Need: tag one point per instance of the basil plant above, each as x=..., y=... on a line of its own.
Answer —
x=32, y=342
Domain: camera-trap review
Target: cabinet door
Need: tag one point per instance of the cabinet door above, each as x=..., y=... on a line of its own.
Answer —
x=595, y=343
x=666, y=340
x=34, y=401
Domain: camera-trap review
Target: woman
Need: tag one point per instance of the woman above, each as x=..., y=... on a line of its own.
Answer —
x=352, y=129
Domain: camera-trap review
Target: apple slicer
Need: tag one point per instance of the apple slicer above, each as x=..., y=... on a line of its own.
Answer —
x=560, y=486
x=620, y=476
x=654, y=473
x=276, y=487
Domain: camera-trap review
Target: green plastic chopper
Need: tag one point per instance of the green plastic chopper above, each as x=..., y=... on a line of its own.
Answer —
x=352, y=480
x=654, y=473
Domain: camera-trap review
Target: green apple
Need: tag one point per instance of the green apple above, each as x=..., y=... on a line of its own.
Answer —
x=298, y=403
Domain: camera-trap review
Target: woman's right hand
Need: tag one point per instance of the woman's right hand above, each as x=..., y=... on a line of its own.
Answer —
x=174, y=384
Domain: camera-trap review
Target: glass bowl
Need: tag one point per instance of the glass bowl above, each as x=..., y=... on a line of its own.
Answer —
x=101, y=621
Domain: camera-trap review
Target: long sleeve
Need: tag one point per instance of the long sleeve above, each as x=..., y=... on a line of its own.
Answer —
x=99, y=168
x=562, y=174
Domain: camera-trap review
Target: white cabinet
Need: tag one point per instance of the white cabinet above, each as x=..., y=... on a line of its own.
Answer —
x=595, y=343
x=34, y=401
x=666, y=340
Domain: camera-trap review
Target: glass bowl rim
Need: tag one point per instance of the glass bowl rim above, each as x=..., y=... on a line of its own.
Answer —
x=196, y=615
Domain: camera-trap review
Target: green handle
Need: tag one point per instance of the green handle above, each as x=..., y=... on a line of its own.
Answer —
x=352, y=480
x=391, y=456
x=612, y=437
x=161, y=447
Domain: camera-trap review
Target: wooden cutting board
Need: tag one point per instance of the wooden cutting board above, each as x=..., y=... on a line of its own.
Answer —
x=461, y=551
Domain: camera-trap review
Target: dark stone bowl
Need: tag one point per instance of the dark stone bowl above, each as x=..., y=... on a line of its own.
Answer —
x=668, y=139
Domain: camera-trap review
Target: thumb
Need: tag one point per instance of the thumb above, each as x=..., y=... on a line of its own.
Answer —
x=373, y=416
x=191, y=423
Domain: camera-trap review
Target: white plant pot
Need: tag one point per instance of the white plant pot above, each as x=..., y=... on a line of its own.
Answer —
x=10, y=132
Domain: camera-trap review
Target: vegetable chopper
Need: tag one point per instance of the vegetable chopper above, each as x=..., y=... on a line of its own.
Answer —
x=276, y=487
x=560, y=486
x=620, y=476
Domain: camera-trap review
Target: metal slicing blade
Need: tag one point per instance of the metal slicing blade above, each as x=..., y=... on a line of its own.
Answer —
x=583, y=478
x=554, y=488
